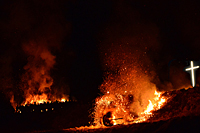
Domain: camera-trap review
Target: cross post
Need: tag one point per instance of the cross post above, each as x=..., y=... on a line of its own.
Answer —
x=192, y=68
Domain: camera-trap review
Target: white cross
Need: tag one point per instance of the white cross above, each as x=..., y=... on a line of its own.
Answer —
x=192, y=72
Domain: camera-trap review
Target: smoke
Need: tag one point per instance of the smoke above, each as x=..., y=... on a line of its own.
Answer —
x=37, y=80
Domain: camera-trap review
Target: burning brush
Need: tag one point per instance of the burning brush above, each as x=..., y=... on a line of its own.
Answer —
x=129, y=97
x=44, y=106
x=36, y=82
x=113, y=109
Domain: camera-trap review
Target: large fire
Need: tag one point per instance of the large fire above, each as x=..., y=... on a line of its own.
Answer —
x=128, y=97
x=117, y=109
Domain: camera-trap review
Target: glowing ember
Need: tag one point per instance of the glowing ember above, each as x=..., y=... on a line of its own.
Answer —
x=129, y=97
x=117, y=109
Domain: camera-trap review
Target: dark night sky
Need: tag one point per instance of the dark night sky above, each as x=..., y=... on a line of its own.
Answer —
x=85, y=29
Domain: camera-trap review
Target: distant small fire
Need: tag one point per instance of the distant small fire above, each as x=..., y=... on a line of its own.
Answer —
x=40, y=99
x=45, y=105
x=36, y=82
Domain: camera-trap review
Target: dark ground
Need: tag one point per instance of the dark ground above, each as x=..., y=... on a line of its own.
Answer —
x=180, y=114
x=183, y=125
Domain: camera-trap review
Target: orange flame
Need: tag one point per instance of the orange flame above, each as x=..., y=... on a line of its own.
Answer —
x=37, y=82
x=120, y=113
x=121, y=110
x=129, y=97
x=40, y=99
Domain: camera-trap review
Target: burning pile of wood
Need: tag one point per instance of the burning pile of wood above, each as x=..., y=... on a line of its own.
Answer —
x=44, y=107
